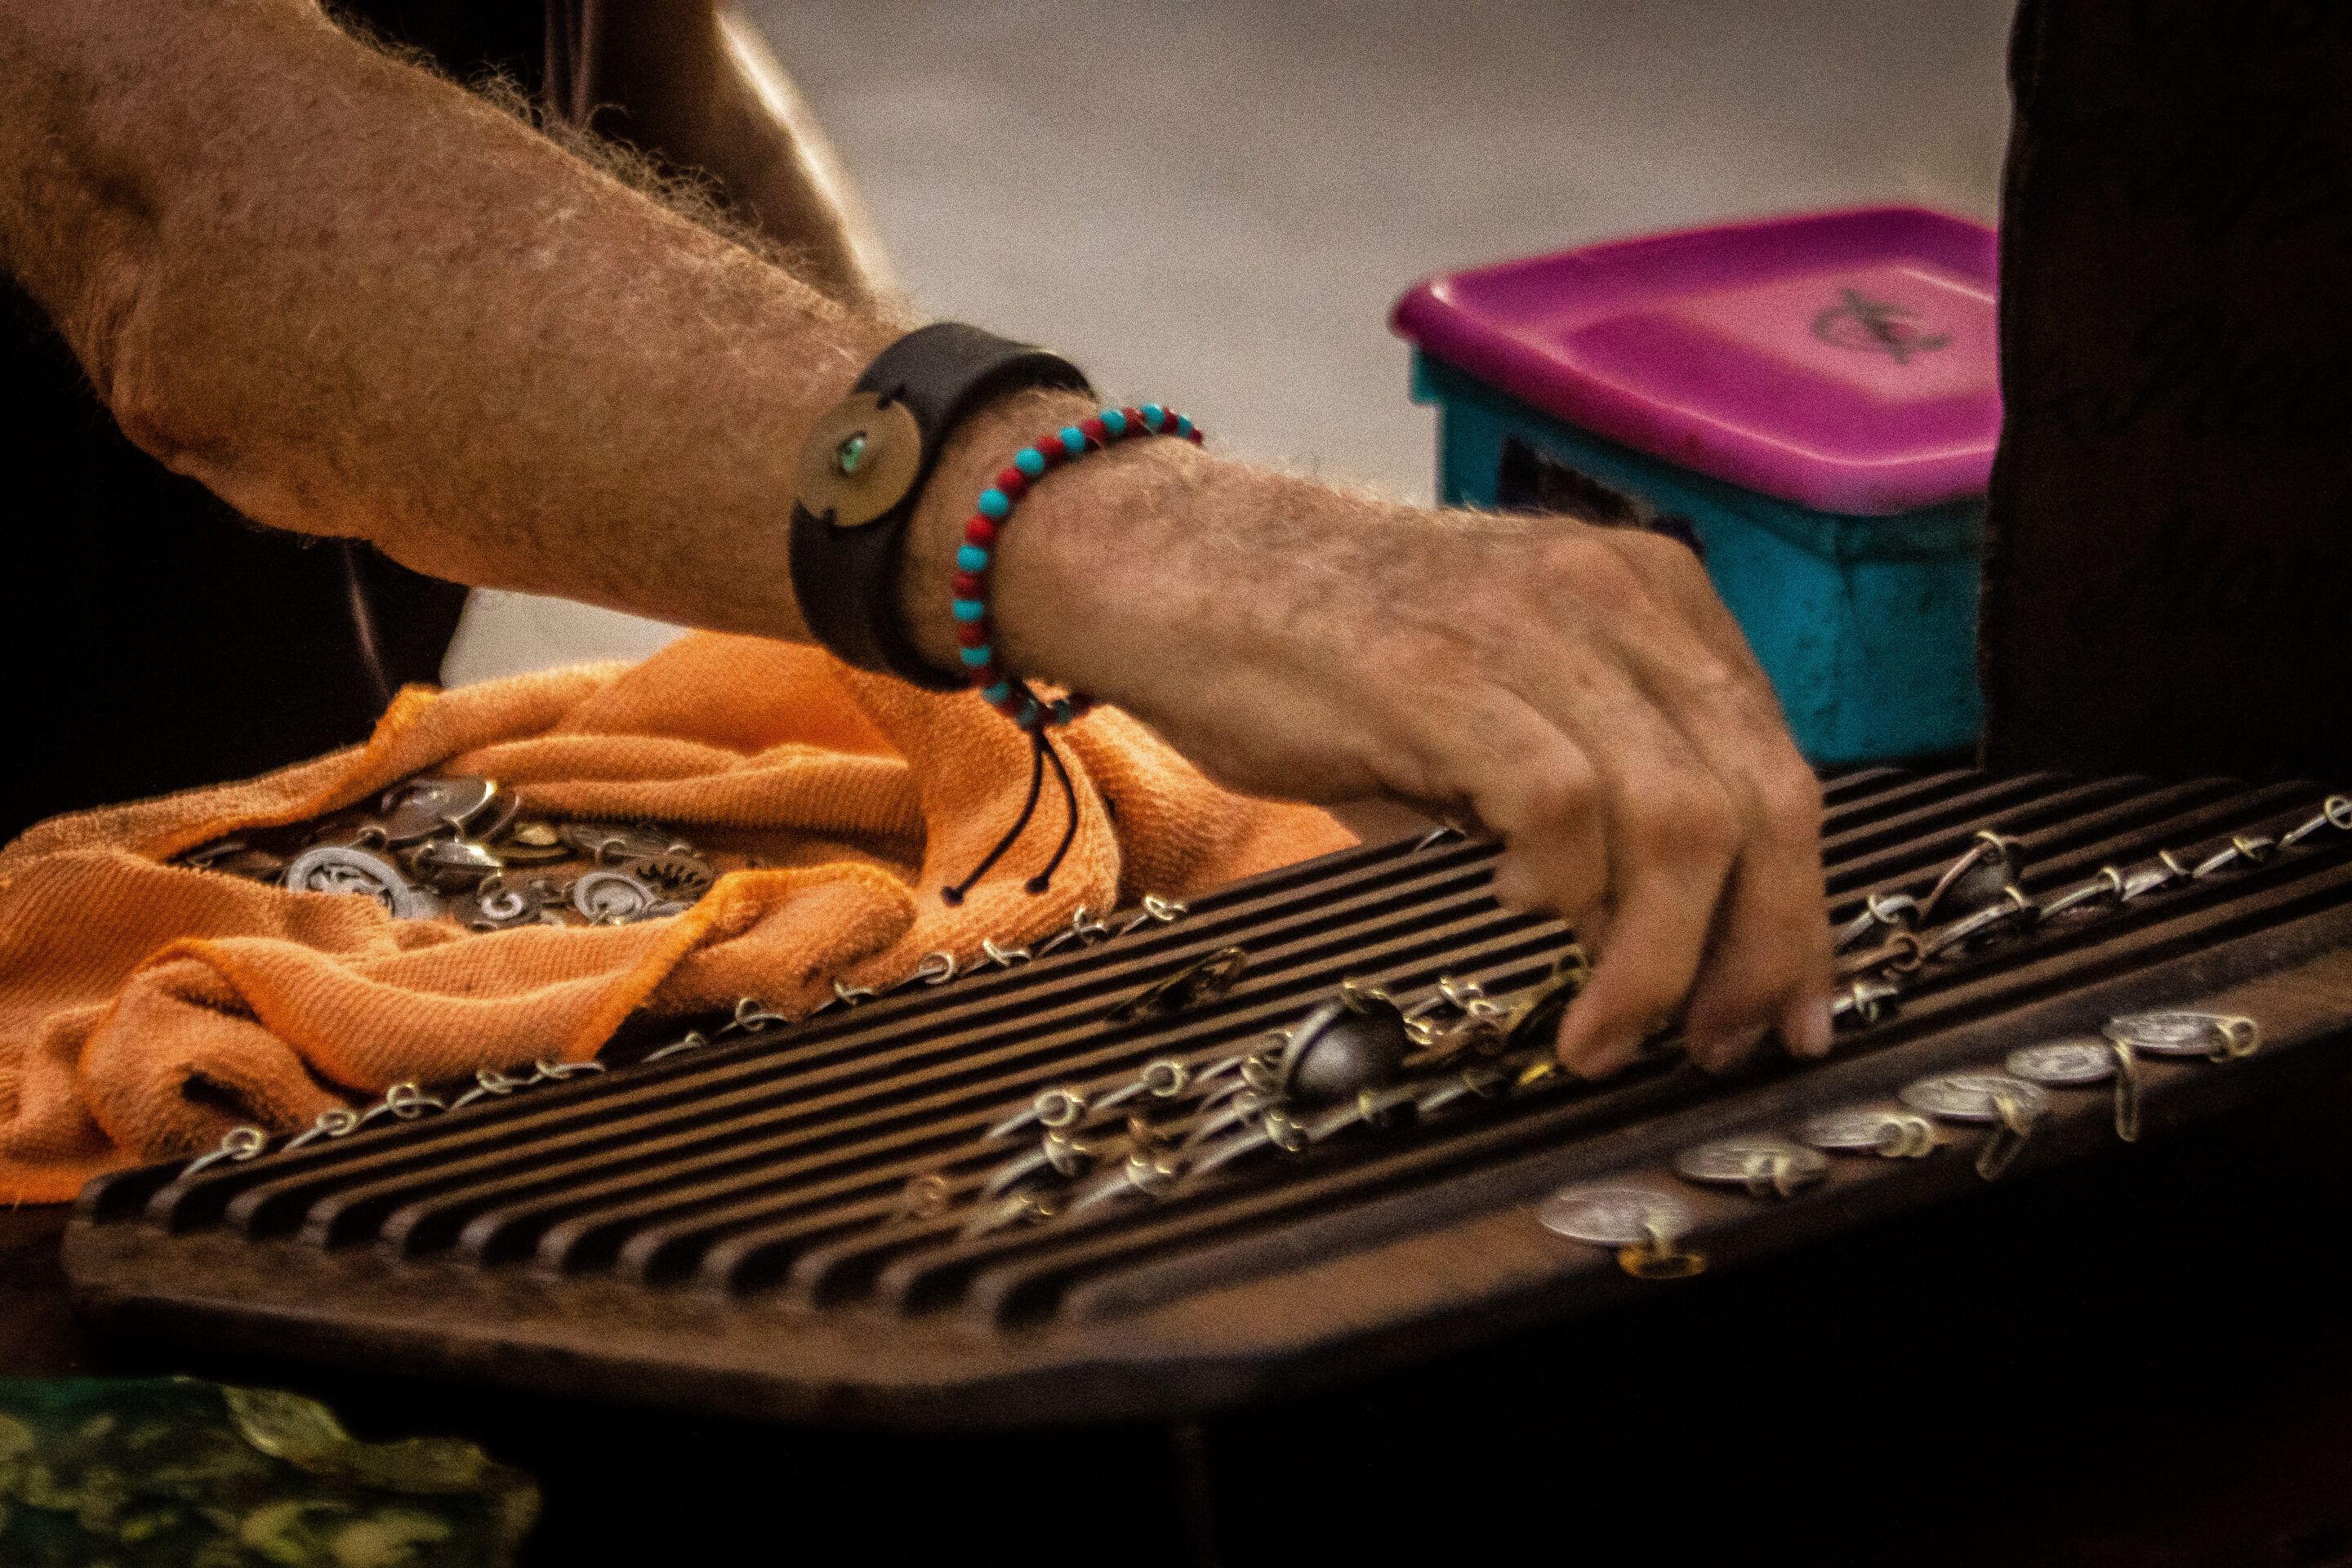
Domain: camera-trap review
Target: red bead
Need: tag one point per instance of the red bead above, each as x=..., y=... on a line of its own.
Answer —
x=978, y=530
x=1198, y=435
x=972, y=634
x=1134, y=417
x=1013, y=483
x=970, y=585
x=1095, y=431
x=1050, y=450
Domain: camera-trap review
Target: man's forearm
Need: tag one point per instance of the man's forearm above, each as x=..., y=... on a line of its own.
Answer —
x=353, y=299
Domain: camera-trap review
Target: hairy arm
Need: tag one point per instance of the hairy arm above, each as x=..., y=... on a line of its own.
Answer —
x=351, y=300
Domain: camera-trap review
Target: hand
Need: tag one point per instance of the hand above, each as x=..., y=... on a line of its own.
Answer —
x=1580, y=691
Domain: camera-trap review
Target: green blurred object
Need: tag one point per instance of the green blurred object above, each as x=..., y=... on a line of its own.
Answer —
x=126, y=1473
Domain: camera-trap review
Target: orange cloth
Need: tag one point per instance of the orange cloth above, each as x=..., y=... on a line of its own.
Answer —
x=146, y=1008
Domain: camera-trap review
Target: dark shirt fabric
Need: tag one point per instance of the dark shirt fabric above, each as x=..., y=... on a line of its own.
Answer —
x=2169, y=583
x=158, y=640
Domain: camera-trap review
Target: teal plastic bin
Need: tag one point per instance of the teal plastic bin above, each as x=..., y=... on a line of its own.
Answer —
x=1811, y=404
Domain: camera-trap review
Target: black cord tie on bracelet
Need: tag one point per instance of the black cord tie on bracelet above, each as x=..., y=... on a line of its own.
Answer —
x=1041, y=751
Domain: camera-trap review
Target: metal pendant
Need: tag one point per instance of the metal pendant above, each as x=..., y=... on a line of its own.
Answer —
x=2012, y=1104
x=1643, y=1223
x=450, y=864
x=425, y=809
x=616, y=898
x=2215, y=1036
x=533, y=844
x=1871, y=1130
x=340, y=869
x=2063, y=1063
x=500, y=905
x=1765, y=1165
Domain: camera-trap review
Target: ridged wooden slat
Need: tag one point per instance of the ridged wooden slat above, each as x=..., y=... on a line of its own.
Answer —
x=769, y=1169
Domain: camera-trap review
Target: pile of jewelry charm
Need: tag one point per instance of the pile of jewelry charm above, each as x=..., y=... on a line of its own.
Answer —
x=461, y=848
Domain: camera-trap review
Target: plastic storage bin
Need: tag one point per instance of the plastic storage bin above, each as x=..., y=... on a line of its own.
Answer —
x=1812, y=403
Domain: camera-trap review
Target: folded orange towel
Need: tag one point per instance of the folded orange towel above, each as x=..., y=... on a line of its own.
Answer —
x=146, y=1008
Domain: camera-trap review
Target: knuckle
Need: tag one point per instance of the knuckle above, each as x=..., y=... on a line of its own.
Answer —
x=1791, y=798
x=1587, y=558
x=1691, y=820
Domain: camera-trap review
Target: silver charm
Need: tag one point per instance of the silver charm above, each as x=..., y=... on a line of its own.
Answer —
x=2012, y=1104
x=339, y=868
x=426, y=809
x=613, y=898
x=1763, y=1164
x=452, y=863
x=334, y=1122
x=499, y=905
x=1974, y=1096
x=2063, y=1063
x=2078, y=1063
x=1871, y=1130
x=2218, y=1037
x=1614, y=1217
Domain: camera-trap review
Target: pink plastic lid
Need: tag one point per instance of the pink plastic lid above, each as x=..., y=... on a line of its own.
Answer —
x=1847, y=362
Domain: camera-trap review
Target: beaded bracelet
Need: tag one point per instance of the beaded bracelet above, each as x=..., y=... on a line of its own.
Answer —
x=1007, y=693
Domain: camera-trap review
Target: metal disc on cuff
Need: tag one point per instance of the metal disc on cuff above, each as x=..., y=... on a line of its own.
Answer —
x=2167, y=1033
x=1743, y=1162
x=1856, y=1129
x=2065, y=1062
x=1614, y=1217
x=1973, y=1096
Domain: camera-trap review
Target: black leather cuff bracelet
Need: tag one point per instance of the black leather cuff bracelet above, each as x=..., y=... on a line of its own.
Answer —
x=863, y=469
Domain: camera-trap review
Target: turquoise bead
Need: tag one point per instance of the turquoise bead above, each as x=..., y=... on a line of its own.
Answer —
x=1183, y=426
x=1063, y=712
x=1028, y=713
x=1154, y=417
x=997, y=693
x=995, y=505
x=1030, y=462
x=1115, y=422
x=970, y=609
x=975, y=656
x=970, y=558
x=1074, y=441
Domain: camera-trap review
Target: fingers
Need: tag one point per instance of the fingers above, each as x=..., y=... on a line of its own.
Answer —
x=1768, y=962
x=1678, y=852
x=1714, y=824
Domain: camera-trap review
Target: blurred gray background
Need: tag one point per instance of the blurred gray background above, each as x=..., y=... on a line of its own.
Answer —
x=1215, y=203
